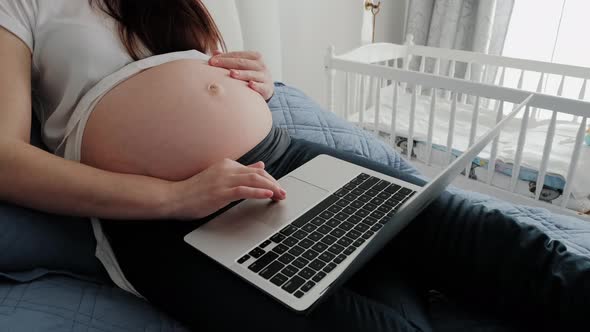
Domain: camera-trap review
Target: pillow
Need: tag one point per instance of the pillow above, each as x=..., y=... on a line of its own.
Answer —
x=33, y=243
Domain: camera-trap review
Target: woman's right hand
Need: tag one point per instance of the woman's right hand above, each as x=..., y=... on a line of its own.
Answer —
x=220, y=184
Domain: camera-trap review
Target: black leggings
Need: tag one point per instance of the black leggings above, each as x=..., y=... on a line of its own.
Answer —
x=455, y=246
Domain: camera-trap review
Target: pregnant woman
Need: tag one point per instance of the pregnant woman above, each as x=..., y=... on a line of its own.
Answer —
x=154, y=131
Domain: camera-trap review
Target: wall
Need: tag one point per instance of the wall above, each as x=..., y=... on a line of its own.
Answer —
x=308, y=27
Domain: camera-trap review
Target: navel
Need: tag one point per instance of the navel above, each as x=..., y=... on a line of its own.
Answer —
x=214, y=89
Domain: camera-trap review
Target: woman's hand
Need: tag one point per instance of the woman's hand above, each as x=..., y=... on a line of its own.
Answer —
x=220, y=184
x=248, y=67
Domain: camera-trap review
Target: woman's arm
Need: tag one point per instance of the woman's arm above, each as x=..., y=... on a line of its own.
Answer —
x=37, y=179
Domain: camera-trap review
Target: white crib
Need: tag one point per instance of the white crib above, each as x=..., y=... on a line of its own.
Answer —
x=377, y=89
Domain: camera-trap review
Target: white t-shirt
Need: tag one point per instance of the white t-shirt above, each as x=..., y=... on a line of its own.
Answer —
x=77, y=57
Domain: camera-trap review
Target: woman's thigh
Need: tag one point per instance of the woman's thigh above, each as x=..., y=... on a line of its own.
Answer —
x=205, y=296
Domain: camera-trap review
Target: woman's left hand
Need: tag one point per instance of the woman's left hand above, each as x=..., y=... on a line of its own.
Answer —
x=248, y=67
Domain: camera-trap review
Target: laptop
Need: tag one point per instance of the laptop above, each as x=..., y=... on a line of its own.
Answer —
x=337, y=217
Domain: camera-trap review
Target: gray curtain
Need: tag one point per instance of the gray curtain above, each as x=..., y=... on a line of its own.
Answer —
x=470, y=25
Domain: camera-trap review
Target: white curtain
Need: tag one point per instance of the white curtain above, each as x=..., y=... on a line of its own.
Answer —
x=470, y=25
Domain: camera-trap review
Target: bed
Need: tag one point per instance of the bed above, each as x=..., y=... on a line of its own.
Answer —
x=50, y=279
x=431, y=103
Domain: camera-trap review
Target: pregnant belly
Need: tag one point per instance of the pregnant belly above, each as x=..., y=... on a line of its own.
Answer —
x=173, y=121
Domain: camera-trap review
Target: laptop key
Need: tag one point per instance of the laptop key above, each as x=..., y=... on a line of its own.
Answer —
x=377, y=201
x=393, y=188
x=319, y=247
x=327, y=257
x=319, y=276
x=265, y=244
x=305, y=243
x=289, y=271
x=308, y=285
x=339, y=259
x=364, y=198
x=350, y=197
x=345, y=242
x=368, y=235
x=358, y=191
x=277, y=238
x=280, y=249
x=296, y=251
x=384, y=208
x=349, y=250
x=357, y=204
x=309, y=227
x=318, y=221
x=363, y=176
x=349, y=186
x=300, y=235
x=346, y=226
x=342, y=203
x=315, y=236
x=293, y=284
x=358, y=242
x=271, y=269
x=326, y=214
x=324, y=229
x=361, y=228
x=328, y=239
x=381, y=185
x=306, y=273
x=290, y=229
x=376, y=227
x=279, y=279
x=405, y=191
x=300, y=262
x=310, y=254
x=290, y=241
x=370, y=206
x=369, y=183
x=333, y=222
x=263, y=261
x=354, y=219
x=384, y=195
x=353, y=234
x=336, y=249
x=317, y=264
x=349, y=209
x=243, y=259
x=329, y=267
x=257, y=252
x=372, y=193
x=334, y=208
x=361, y=213
x=298, y=294
x=370, y=221
x=377, y=214
x=337, y=233
x=341, y=216
x=341, y=192
x=286, y=258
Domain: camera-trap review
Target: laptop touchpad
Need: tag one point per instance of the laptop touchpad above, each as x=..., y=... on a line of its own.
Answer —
x=301, y=196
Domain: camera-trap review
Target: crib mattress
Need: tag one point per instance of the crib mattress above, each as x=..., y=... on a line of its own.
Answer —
x=559, y=160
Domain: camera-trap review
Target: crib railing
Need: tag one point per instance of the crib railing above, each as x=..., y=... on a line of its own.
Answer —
x=373, y=66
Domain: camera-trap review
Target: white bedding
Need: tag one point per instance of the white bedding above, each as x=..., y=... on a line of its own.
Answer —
x=535, y=140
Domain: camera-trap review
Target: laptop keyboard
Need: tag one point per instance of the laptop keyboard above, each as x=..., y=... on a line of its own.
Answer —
x=301, y=254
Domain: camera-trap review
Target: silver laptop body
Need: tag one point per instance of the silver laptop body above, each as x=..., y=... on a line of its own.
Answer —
x=250, y=238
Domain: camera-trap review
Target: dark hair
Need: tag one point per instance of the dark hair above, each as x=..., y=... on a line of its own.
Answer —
x=163, y=26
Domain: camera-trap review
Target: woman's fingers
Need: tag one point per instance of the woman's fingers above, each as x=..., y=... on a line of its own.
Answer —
x=248, y=75
x=259, y=180
x=265, y=90
x=244, y=192
x=236, y=63
x=259, y=164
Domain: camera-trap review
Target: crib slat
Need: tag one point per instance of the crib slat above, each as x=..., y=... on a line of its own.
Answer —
x=362, y=103
x=467, y=78
x=561, y=86
x=539, y=90
x=431, y=125
x=521, y=80
x=437, y=67
x=452, y=65
x=378, y=106
x=581, y=96
x=494, y=152
x=394, y=107
x=519, y=149
x=410, y=143
x=422, y=67
x=473, y=132
x=451, y=134
x=546, y=153
x=571, y=174
x=348, y=97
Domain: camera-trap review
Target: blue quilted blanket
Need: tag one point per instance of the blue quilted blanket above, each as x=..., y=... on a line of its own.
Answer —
x=60, y=303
